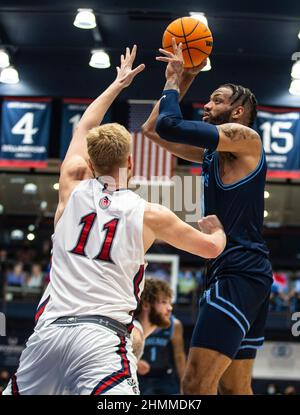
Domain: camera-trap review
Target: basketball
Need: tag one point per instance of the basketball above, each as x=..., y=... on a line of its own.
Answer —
x=196, y=40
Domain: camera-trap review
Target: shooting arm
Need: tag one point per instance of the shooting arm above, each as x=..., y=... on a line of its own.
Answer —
x=183, y=151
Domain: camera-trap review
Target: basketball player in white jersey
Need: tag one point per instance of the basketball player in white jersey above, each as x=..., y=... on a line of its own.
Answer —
x=81, y=343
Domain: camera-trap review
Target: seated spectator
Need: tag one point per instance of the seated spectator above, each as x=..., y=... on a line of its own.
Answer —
x=279, y=302
x=16, y=277
x=272, y=389
x=294, y=300
x=187, y=286
x=290, y=390
x=35, y=280
x=4, y=379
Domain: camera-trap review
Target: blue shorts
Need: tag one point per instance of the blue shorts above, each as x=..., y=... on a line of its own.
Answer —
x=232, y=315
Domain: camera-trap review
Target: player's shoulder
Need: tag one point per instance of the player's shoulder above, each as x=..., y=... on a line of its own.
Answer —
x=156, y=215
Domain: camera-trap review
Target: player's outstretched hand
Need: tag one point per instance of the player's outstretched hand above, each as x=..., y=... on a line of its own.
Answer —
x=174, y=59
x=125, y=73
x=210, y=224
x=195, y=70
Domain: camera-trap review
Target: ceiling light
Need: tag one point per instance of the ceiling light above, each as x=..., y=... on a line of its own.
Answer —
x=17, y=234
x=31, y=236
x=85, y=19
x=266, y=213
x=9, y=75
x=200, y=16
x=296, y=70
x=43, y=205
x=4, y=59
x=31, y=228
x=266, y=194
x=207, y=67
x=299, y=34
x=56, y=186
x=295, y=87
x=99, y=59
x=30, y=189
x=1, y=209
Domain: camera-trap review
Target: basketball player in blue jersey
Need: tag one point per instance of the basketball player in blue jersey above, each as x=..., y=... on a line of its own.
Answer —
x=233, y=309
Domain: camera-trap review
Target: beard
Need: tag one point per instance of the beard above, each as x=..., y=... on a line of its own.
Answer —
x=219, y=119
x=158, y=320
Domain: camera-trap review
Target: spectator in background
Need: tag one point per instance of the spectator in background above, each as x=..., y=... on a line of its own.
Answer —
x=294, y=300
x=279, y=301
x=290, y=390
x=3, y=265
x=272, y=389
x=35, y=280
x=4, y=379
x=163, y=363
x=16, y=277
x=187, y=286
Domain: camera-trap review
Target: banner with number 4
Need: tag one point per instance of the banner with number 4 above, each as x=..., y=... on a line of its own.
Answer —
x=25, y=132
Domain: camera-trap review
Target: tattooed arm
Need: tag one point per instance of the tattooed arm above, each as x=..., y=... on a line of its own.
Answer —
x=237, y=138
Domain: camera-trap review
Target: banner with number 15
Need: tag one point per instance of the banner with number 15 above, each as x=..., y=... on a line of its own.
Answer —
x=25, y=132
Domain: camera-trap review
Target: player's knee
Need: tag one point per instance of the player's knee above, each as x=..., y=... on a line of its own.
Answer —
x=195, y=386
x=235, y=388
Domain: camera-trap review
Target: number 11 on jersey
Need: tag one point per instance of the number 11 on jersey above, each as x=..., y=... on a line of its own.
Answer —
x=110, y=229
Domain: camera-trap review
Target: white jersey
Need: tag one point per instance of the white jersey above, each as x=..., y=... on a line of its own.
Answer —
x=98, y=256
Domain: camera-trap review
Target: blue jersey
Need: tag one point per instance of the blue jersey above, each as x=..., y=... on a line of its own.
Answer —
x=240, y=208
x=158, y=350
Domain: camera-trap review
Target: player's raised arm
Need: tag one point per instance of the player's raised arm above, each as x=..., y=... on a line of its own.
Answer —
x=184, y=151
x=171, y=126
x=97, y=109
x=161, y=223
x=75, y=166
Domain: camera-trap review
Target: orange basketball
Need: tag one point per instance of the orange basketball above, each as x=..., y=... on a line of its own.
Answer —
x=196, y=40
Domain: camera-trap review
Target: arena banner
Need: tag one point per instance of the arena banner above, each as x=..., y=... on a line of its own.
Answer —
x=280, y=132
x=72, y=111
x=25, y=124
x=279, y=129
x=151, y=162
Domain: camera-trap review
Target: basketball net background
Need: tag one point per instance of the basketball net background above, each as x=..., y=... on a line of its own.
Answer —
x=152, y=163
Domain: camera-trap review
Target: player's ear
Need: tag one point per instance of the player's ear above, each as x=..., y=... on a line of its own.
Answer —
x=238, y=112
x=130, y=162
x=91, y=167
x=146, y=306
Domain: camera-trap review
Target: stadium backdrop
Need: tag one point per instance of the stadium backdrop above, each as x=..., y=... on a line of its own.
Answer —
x=26, y=124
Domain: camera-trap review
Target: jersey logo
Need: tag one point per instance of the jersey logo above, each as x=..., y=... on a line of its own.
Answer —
x=104, y=202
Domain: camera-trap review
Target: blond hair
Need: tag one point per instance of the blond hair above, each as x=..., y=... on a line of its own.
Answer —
x=109, y=146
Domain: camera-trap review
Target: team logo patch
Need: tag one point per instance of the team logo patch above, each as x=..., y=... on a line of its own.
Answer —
x=133, y=383
x=104, y=202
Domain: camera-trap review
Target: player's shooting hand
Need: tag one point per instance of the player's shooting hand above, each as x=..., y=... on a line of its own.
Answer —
x=125, y=73
x=210, y=224
x=174, y=59
x=194, y=71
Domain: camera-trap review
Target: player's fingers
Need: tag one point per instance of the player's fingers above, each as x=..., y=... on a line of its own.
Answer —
x=133, y=53
x=118, y=70
x=166, y=52
x=174, y=44
x=163, y=59
x=122, y=59
x=138, y=69
x=127, y=56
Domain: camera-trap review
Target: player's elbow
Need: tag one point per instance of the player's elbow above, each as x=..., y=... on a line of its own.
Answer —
x=214, y=248
x=146, y=130
x=166, y=127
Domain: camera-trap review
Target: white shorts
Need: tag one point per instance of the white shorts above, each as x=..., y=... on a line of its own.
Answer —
x=79, y=359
